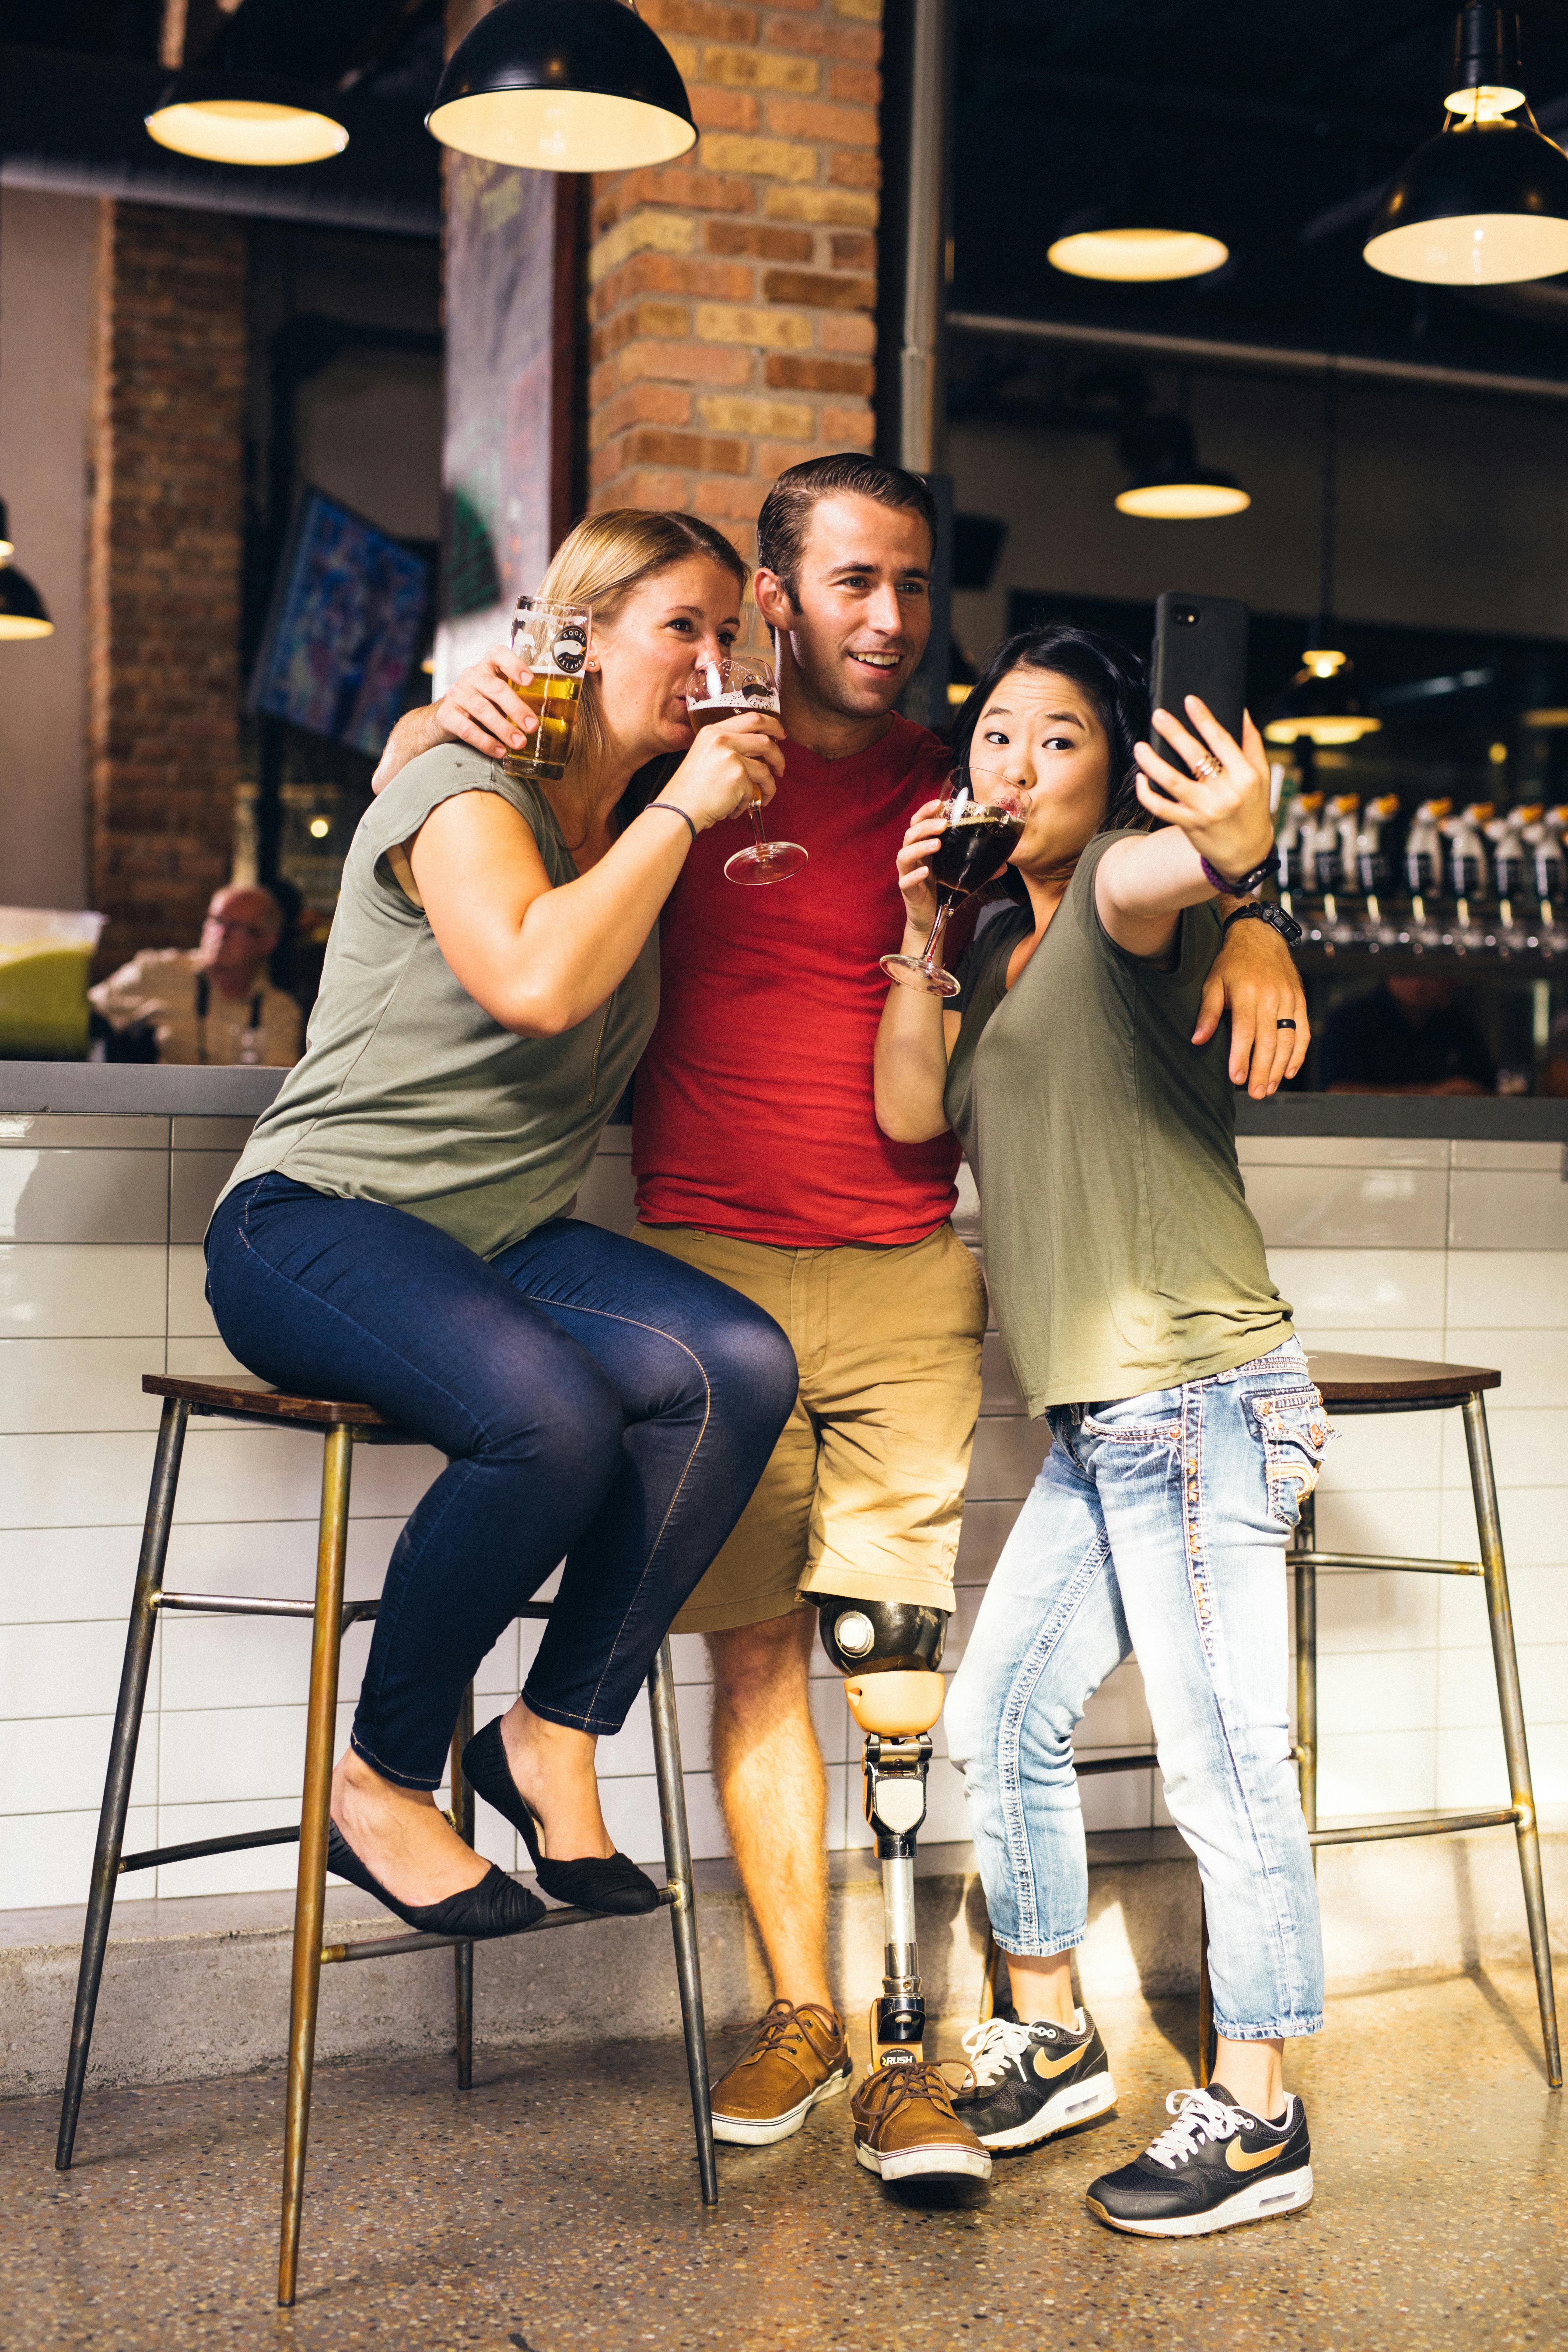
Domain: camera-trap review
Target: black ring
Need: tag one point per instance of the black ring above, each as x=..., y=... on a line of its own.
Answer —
x=1284, y=1025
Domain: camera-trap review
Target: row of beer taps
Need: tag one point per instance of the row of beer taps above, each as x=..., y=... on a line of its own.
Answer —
x=1468, y=878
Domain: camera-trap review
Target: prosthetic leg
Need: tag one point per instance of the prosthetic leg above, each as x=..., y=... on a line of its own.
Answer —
x=888, y=1652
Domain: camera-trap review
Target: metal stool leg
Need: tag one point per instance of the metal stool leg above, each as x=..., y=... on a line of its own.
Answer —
x=1302, y=1558
x=1510, y=1705
x=121, y=1759
x=682, y=1915
x=310, y=1901
x=463, y=1954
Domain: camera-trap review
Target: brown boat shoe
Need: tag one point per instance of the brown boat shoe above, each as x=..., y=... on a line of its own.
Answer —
x=797, y=2057
x=905, y=2128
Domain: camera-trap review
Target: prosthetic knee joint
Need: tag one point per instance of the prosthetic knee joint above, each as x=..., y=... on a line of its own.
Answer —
x=889, y=1651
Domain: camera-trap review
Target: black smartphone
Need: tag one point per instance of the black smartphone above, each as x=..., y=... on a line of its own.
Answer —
x=1200, y=647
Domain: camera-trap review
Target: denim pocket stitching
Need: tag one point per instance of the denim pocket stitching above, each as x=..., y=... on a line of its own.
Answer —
x=1297, y=1433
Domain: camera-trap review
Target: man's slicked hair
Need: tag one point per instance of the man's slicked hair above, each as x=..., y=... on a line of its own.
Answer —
x=786, y=513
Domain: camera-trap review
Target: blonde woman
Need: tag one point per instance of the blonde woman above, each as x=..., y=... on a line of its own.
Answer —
x=399, y=1230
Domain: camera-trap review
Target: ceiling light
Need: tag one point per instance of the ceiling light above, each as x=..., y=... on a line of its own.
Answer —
x=1131, y=253
x=1320, y=705
x=1169, y=484
x=1486, y=202
x=22, y=612
x=251, y=119
x=563, y=85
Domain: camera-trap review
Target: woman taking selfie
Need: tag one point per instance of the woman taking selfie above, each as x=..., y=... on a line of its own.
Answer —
x=1134, y=1300
x=399, y=1230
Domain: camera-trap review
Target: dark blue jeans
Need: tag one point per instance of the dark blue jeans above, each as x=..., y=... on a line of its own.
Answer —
x=595, y=1401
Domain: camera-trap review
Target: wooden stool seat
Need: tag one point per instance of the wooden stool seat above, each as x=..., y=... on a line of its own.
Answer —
x=342, y=1423
x=1394, y=1384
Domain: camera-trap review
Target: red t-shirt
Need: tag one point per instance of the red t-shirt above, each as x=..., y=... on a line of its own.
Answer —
x=754, y=1104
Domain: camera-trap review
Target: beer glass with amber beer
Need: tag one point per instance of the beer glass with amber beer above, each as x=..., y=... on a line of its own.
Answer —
x=552, y=639
x=724, y=690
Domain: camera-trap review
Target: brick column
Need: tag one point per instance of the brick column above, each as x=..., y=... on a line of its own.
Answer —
x=733, y=291
x=163, y=570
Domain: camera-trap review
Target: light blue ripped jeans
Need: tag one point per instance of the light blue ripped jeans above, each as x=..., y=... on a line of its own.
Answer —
x=1159, y=1525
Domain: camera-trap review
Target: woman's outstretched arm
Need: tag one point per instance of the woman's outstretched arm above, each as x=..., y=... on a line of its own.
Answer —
x=914, y=1038
x=1142, y=884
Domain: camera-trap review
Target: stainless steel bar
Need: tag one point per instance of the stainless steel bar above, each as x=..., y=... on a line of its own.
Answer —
x=1262, y=359
x=384, y=1948
x=1422, y=1825
x=310, y=1901
x=198, y=1847
x=121, y=1760
x=683, y=1909
x=1385, y=1559
x=1499, y=1616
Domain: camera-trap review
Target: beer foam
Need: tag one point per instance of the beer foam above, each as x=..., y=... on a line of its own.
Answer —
x=980, y=812
x=734, y=699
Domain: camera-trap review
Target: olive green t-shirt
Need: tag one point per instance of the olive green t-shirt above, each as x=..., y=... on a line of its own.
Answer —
x=1119, y=1250
x=409, y=1092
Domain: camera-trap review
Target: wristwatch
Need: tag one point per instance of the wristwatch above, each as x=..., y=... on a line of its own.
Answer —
x=1243, y=883
x=1265, y=910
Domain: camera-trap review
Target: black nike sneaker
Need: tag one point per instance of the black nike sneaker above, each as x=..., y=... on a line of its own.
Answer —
x=1034, y=2081
x=1217, y=2164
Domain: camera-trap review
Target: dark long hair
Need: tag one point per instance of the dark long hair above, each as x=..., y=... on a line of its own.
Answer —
x=1115, y=681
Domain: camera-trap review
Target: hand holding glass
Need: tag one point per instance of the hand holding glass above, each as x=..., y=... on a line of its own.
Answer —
x=977, y=828
x=552, y=639
x=724, y=690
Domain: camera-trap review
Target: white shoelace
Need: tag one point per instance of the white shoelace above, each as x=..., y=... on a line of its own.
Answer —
x=992, y=2047
x=1199, y=2119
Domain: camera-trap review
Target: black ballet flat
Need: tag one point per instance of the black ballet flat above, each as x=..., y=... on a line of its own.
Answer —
x=498, y=1905
x=593, y=1883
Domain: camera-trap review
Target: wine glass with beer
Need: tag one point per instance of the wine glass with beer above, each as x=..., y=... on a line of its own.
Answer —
x=980, y=827
x=724, y=690
x=552, y=639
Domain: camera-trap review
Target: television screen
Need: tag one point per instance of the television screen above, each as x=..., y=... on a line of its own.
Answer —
x=347, y=617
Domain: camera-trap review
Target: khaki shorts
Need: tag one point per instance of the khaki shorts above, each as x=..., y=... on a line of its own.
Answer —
x=864, y=1490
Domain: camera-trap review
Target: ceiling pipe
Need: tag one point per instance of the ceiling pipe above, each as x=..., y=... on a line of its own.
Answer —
x=1260, y=359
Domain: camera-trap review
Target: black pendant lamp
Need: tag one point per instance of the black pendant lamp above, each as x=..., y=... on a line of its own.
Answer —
x=245, y=118
x=1135, y=244
x=1486, y=202
x=1321, y=704
x=563, y=85
x=1170, y=482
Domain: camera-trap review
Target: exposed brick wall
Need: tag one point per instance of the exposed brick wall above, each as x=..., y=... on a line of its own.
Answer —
x=733, y=291
x=163, y=570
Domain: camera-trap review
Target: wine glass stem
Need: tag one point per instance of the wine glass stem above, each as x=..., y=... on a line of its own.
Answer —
x=931, y=961
x=755, y=813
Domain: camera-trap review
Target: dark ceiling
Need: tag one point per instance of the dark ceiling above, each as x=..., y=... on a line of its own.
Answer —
x=1279, y=121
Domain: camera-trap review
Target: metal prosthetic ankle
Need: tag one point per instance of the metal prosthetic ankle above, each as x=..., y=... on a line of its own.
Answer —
x=889, y=1651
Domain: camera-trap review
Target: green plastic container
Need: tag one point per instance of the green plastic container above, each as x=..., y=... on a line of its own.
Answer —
x=45, y=961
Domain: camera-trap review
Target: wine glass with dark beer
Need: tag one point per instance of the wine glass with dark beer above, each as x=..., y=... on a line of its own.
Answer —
x=977, y=838
x=722, y=690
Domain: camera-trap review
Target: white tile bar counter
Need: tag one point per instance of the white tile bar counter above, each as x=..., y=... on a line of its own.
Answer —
x=1425, y=1228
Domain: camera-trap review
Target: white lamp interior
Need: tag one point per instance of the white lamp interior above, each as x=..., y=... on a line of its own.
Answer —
x=561, y=131
x=244, y=131
x=1146, y=254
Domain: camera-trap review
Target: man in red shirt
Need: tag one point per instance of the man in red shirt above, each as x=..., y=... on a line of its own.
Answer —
x=758, y=1158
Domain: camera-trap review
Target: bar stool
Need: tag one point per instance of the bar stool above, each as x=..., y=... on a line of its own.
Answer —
x=342, y=1425
x=1377, y=1384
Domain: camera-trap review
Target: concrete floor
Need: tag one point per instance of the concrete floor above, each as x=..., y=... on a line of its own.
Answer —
x=556, y=2206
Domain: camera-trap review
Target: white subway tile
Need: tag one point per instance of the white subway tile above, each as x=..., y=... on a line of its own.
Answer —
x=54, y=1670
x=1374, y=1772
x=497, y=1675
x=947, y=1807
x=1117, y=1715
x=1535, y=1598
x=255, y=1871
x=236, y=1661
x=629, y=1753
x=1384, y=1449
x=496, y=1840
x=205, y=1360
x=1534, y=1527
x=60, y=1765
x=45, y=1859
x=1472, y=1771
x=1418, y=1344
x=1117, y=1800
x=1367, y=1208
x=227, y=1755
x=84, y=1196
x=986, y=1527
x=190, y=1316
x=1489, y=1210
x=74, y=1482
x=835, y=1730
x=1533, y=1364
x=1376, y=1614
x=1529, y=1447
x=59, y=1291
x=1514, y=1289
x=1330, y=1290
x=1372, y=1521
x=1006, y=1458
x=1395, y=1692
x=56, y=1575
x=843, y=1797
x=77, y=1385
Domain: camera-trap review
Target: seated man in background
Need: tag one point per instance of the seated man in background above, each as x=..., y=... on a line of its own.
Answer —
x=1407, y=1037
x=214, y=1003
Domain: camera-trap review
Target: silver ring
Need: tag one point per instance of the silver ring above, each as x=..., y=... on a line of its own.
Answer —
x=1208, y=766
